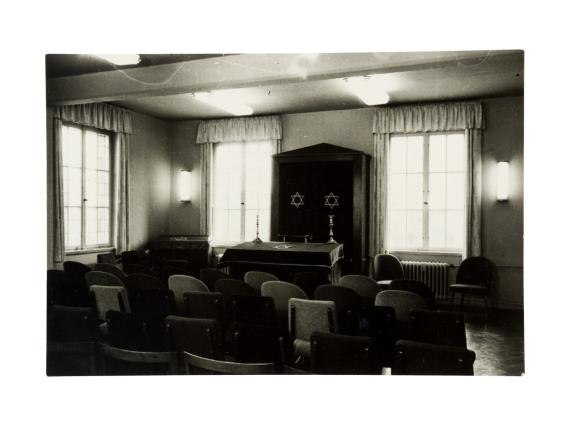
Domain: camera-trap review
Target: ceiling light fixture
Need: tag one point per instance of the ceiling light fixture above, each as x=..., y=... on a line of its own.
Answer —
x=225, y=100
x=121, y=59
x=370, y=89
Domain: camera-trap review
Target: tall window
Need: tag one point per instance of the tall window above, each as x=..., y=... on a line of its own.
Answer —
x=426, y=192
x=241, y=190
x=86, y=188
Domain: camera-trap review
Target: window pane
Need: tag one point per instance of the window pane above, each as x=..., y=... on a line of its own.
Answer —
x=455, y=153
x=397, y=191
x=397, y=231
x=414, y=191
x=257, y=175
x=71, y=146
x=72, y=186
x=455, y=220
x=437, y=153
x=90, y=226
x=234, y=225
x=103, y=153
x=103, y=196
x=436, y=229
x=72, y=227
x=90, y=150
x=397, y=154
x=103, y=234
x=437, y=190
x=91, y=187
x=415, y=154
x=414, y=221
x=455, y=191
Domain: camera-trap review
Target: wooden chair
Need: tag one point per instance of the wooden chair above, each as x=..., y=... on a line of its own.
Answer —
x=111, y=269
x=101, y=278
x=348, y=306
x=343, y=354
x=72, y=335
x=210, y=276
x=473, y=278
x=282, y=292
x=417, y=358
x=364, y=286
x=437, y=327
x=387, y=268
x=199, y=365
x=179, y=284
x=256, y=278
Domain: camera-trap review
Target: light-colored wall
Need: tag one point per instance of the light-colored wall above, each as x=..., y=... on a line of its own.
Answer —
x=184, y=155
x=502, y=223
x=149, y=175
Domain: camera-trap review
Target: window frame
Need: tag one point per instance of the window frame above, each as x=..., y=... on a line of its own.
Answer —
x=425, y=249
x=83, y=248
x=243, y=207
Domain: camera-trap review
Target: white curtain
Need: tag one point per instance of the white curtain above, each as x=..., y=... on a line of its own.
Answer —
x=59, y=236
x=240, y=129
x=105, y=117
x=464, y=116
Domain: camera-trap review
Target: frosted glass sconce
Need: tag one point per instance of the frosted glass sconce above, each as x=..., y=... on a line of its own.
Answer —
x=184, y=186
x=502, y=181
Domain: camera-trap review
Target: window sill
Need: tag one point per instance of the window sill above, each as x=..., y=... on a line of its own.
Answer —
x=89, y=251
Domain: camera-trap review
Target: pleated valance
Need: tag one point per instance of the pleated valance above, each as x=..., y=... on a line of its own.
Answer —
x=100, y=116
x=429, y=118
x=240, y=129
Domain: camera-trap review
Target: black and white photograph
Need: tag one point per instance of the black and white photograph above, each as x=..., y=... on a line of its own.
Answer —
x=284, y=214
x=326, y=213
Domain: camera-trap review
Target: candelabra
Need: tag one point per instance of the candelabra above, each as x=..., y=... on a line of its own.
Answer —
x=331, y=234
x=257, y=239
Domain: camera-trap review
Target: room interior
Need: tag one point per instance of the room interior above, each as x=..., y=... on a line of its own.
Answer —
x=309, y=93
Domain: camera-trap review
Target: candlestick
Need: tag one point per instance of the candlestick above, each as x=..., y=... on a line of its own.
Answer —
x=257, y=239
x=331, y=234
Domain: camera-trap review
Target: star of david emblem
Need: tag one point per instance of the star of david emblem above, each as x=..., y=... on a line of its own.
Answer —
x=297, y=199
x=331, y=198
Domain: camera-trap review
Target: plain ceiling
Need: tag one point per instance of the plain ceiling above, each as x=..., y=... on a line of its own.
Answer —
x=162, y=85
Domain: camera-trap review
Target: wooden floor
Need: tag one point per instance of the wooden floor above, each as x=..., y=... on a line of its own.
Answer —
x=498, y=341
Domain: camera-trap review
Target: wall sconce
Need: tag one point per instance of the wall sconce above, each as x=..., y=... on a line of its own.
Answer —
x=184, y=186
x=502, y=181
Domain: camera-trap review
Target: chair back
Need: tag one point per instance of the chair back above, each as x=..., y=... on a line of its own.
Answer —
x=416, y=287
x=364, y=286
x=437, y=327
x=140, y=269
x=387, y=267
x=252, y=309
x=204, y=305
x=474, y=271
x=231, y=287
x=380, y=323
x=261, y=344
x=210, y=276
x=179, y=284
x=343, y=354
x=282, y=292
x=199, y=365
x=256, y=278
x=102, y=278
x=107, y=258
x=111, y=269
x=133, y=331
x=310, y=280
x=72, y=324
x=62, y=289
x=76, y=272
x=306, y=317
x=199, y=336
x=139, y=281
x=109, y=298
x=348, y=305
x=417, y=358
x=154, y=303
x=402, y=301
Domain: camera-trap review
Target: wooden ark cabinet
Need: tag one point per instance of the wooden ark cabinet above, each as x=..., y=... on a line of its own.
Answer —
x=311, y=183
